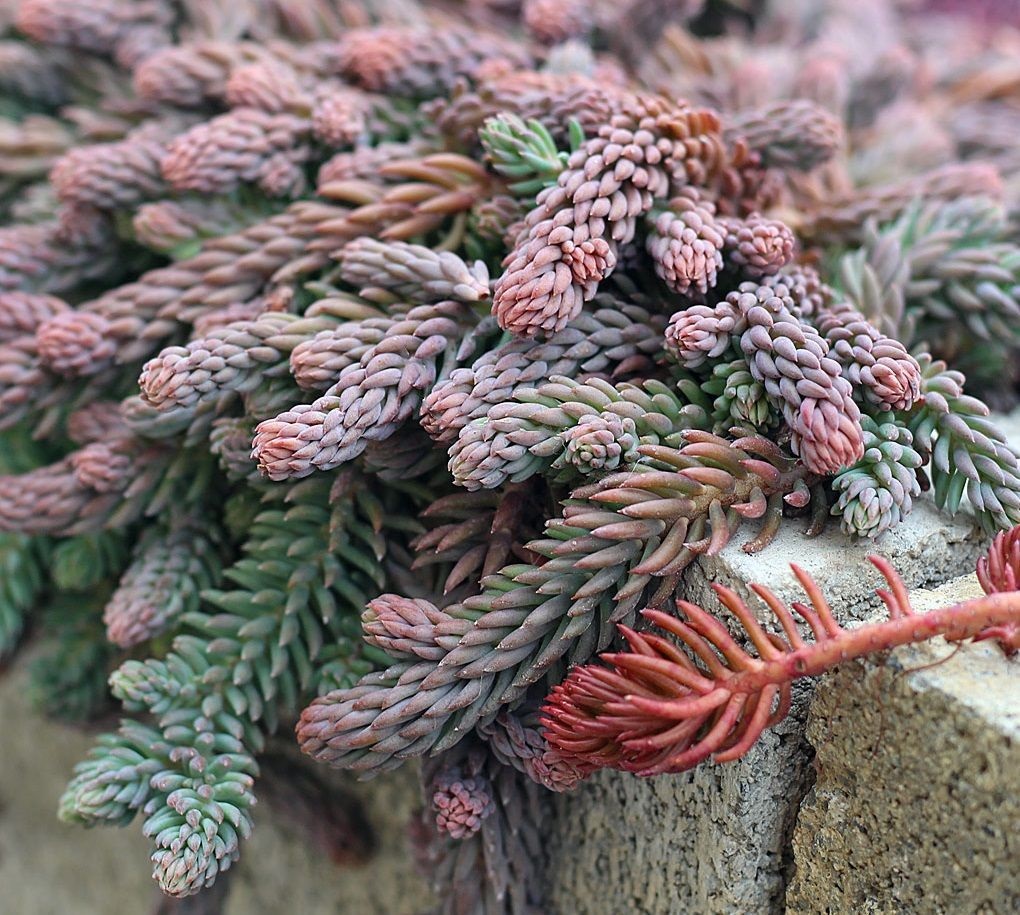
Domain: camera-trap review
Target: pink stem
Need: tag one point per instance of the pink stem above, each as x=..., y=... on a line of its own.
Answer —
x=961, y=621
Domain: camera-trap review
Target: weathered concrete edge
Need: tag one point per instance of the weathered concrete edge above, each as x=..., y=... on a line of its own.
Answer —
x=918, y=782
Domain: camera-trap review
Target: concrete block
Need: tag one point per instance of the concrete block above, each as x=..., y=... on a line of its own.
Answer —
x=47, y=867
x=718, y=840
x=917, y=798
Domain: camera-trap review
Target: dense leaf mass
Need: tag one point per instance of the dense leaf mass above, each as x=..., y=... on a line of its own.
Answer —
x=374, y=364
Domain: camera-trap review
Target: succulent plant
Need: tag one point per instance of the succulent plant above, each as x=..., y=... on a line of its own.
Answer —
x=376, y=365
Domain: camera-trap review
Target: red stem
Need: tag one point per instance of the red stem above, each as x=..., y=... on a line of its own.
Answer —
x=961, y=621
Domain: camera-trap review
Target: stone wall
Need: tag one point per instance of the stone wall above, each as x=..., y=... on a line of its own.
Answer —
x=917, y=796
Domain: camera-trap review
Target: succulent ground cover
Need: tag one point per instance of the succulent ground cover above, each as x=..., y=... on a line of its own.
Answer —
x=372, y=367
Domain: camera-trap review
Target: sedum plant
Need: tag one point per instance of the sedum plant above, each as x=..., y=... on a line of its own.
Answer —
x=663, y=708
x=372, y=367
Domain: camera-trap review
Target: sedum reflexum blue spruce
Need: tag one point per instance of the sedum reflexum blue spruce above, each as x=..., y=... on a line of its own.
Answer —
x=314, y=555
x=364, y=369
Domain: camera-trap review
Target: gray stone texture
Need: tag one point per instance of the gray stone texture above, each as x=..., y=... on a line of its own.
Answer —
x=47, y=868
x=917, y=798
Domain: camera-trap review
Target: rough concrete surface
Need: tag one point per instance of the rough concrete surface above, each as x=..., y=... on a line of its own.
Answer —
x=917, y=798
x=49, y=868
x=716, y=840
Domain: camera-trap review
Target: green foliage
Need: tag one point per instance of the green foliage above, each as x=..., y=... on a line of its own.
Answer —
x=968, y=454
x=197, y=803
x=162, y=530
x=82, y=562
x=34, y=569
x=876, y=492
x=738, y=400
x=68, y=681
x=525, y=152
x=23, y=562
x=114, y=782
x=946, y=275
x=169, y=568
x=20, y=452
x=289, y=628
x=240, y=510
x=346, y=658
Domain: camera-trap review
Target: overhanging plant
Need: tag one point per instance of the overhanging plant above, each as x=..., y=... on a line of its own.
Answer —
x=392, y=370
